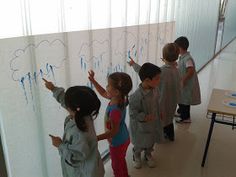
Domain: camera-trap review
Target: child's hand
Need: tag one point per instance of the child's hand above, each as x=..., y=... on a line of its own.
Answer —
x=131, y=62
x=91, y=75
x=56, y=141
x=149, y=118
x=48, y=85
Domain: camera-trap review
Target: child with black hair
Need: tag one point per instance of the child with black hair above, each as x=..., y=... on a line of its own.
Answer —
x=145, y=125
x=169, y=87
x=116, y=131
x=78, y=148
x=190, y=94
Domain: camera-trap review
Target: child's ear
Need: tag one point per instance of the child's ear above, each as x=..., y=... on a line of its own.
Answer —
x=117, y=92
x=147, y=79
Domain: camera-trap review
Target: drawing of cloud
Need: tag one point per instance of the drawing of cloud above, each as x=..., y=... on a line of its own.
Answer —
x=94, y=49
x=41, y=57
x=94, y=52
x=126, y=39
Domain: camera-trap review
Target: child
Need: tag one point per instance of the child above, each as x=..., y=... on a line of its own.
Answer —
x=190, y=94
x=119, y=85
x=78, y=148
x=145, y=125
x=169, y=88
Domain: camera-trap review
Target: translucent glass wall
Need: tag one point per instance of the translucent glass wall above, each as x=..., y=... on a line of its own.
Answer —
x=230, y=22
x=197, y=20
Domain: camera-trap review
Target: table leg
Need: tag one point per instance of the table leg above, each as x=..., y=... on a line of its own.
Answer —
x=208, y=138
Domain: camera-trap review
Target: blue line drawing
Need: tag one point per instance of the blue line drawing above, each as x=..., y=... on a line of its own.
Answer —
x=23, y=75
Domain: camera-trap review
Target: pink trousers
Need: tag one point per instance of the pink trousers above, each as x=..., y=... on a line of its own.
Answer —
x=118, y=161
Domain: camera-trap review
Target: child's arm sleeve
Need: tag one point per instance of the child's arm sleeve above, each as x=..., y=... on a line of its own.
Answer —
x=59, y=95
x=135, y=108
x=136, y=67
x=75, y=152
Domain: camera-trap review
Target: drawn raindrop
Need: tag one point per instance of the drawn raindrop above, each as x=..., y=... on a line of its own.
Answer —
x=41, y=73
x=52, y=71
x=47, y=68
x=35, y=78
x=23, y=87
x=81, y=63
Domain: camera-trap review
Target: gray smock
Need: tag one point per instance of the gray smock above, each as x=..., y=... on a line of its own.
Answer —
x=78, y=150
x=142, y=103
x=169, y=92
x=190, y=94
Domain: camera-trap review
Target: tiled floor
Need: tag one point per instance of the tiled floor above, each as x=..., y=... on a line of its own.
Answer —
x=182, y=158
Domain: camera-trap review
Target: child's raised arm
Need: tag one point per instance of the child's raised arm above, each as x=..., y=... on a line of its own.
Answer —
x=49, y=85
x=58, y=93
x=98, y=87
x=135, y=66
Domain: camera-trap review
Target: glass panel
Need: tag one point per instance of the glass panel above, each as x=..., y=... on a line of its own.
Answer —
x=230, y=22
x=191, y=22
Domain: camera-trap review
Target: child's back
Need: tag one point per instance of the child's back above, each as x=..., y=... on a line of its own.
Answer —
x=78, y=148
x=85, y=159
x=190, y=94
x=191, y=90
x=169, y=88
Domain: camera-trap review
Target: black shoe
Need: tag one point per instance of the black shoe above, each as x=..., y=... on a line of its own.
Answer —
x=171, y=138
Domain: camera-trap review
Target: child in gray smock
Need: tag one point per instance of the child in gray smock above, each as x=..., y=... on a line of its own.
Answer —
x=169, y=88
x=78, y=148
x=190, y=94
x=145, y=125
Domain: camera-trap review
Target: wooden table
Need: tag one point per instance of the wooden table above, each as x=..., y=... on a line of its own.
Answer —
x=216, y=107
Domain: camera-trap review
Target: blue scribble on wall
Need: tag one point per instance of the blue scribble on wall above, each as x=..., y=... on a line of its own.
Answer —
x=21, y=65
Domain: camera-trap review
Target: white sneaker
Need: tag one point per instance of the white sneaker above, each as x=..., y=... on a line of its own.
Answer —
x=177, y=114
x=150, y=162
x=137, y=163
x=187, y=120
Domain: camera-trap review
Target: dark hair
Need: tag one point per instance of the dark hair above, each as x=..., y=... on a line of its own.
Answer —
x=170, y=52
x=182, y=42
x=148, y=70
x=122, y=82
x=86, y=100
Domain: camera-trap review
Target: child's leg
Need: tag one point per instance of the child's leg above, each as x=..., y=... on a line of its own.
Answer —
x=137, y=157
x=148, y=152
x=118, y=161
x=169, y=131
x=184, y=111
x=148, y=156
